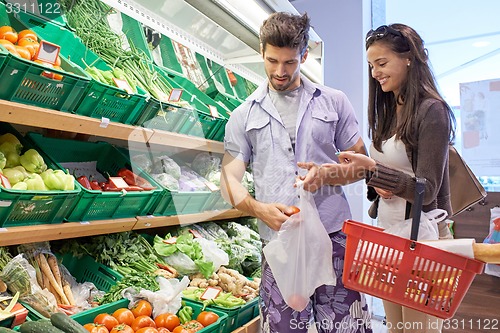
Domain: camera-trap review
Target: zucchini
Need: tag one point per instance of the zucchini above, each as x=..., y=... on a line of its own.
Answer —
x=40, y=326
x=66, y=323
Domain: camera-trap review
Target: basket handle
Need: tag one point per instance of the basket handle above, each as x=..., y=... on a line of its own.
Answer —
x=417, y=209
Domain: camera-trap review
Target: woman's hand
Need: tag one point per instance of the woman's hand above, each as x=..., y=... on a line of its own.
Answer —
x=312, y=181
x=384, y=194
x=357, y=161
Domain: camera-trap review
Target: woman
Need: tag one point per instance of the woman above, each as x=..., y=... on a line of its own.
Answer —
x=411, y=127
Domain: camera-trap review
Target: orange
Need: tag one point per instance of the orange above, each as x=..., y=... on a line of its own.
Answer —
x=6, y=32
x=23, y=52
x=31, y=44
x=27, y=33
x=9, y=46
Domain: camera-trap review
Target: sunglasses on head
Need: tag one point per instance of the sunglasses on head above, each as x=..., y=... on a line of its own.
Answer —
x=380, y=33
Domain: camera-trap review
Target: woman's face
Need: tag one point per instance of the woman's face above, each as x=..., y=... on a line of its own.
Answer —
x=387, y=67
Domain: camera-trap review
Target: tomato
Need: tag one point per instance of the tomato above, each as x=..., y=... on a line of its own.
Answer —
x=27, y=33
x=294, y=210
x=107, y=320
x=122, y=328
x=163, y=330
x=96, y=328
x=147, y=330
x=6, y=32
x=180, y=329
x=124, y=316
x=167, y=320
x=207, y=318
x=192, y=326
x=143, y=321
x=142, y=308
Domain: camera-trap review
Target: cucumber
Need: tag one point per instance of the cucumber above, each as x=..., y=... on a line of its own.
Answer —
x=6, y=330
x=66, y=323
x=40, y=326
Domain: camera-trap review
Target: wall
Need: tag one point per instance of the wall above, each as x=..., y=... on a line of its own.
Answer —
x=342, y=26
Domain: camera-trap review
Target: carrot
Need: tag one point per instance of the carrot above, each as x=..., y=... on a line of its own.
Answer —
x=44, y=265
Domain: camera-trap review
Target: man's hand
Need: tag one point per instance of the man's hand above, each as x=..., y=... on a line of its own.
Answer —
x=274, y=214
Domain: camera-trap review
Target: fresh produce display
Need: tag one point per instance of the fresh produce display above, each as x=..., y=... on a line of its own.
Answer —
x=124, y=180
x=125, y=252
x=88, y=19
x=223, y=299
x=28, y=171
x=25, y=44
x=227, y=280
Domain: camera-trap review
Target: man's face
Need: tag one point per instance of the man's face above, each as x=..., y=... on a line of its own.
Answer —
x=282, y=65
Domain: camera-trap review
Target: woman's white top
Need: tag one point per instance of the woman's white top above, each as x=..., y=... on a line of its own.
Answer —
x=393, y=155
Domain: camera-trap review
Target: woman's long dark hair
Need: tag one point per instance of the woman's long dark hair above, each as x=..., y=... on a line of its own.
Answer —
x=419, y=85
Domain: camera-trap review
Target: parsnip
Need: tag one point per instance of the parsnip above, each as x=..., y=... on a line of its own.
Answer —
x=44, y=265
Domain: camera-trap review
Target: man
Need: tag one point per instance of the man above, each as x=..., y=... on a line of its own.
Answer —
x=286, y=121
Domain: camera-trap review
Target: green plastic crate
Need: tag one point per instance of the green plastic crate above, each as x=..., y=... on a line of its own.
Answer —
x=241, y=87
x=236, y=316
x=216, y=202
x=99, y=99
x=200, y=123
x=164, y=116
x=173, y=202
x=97, y=205
x=21, y=207
x=88, y=316
x=216, y=76
x=22, y=81
x=86, y=269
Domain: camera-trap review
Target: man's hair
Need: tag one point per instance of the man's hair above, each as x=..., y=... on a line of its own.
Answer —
x=283, y=29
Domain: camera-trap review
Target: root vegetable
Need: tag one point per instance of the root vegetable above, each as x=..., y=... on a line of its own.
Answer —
x=44, y=266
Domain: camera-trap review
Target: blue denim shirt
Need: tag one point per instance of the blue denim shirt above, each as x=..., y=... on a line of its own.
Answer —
x=255, y=134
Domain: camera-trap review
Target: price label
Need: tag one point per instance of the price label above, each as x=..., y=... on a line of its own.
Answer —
x=195, y=233
x=123, y=84
x=170, y=241
x=210, y=293
x=175, y=95
x=47, y=52
x=213, y=111
x=211, y=186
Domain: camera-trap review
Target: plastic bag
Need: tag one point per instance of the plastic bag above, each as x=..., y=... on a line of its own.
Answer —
x=493, y=238
x=300, y=255
x=166, y=300
x=427, y=230
x=213, y=253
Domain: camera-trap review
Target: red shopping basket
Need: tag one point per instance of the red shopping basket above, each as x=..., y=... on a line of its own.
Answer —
x=405, y=271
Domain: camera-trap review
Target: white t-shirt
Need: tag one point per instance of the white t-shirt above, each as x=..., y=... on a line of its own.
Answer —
x=393, y=155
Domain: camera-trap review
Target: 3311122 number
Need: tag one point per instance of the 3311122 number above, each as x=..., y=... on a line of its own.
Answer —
x=33, y=8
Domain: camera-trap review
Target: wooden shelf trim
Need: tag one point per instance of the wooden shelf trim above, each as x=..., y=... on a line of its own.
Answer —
x=48, y=232
x=30, y=115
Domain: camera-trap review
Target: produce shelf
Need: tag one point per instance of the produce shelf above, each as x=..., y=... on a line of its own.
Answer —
x=30, y=115
x=47, y=232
